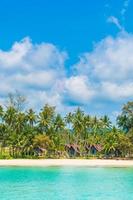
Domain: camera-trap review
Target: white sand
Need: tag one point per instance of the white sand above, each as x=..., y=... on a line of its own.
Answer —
x=67, y=162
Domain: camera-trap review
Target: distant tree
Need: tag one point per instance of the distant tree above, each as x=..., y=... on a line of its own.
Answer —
x=77, y=124
x=1, y=113
x=46, y=118
x=59, y=131
x=117, y=143
x=111, y=142
x=106, y=123
x=22, y=131
x=125, y=119
x=31, y=117
x=16, y=100
x=43, y=142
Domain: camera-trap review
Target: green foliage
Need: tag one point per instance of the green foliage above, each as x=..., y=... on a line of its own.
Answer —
x=125, y=120
x=26, y=134
x=42, y=141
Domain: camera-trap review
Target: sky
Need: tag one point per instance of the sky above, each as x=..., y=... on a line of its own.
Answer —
x=68, y=53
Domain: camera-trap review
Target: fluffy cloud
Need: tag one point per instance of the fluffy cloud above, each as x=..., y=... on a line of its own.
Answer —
x=41, y=97
x=110, y=66
x=77, y=89
x=115, y=21
x=115, y=91
x=15, y=56
x=38, y=71
x=42, y=79
x=27, y=56
x=33, y=69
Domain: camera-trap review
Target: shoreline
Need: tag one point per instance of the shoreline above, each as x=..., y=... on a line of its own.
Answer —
x=66, y=163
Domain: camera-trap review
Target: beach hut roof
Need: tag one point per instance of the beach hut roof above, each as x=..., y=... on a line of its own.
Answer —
x=75, y=147
x=98, y=147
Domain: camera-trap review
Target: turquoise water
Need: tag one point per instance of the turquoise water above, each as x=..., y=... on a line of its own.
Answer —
x=66, y=183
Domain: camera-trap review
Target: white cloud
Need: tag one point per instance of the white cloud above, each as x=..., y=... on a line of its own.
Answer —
x=109, y=56
x=15, y=56
x=116, y=91
x=38, y=71
x=43, y=79
x=78, y=89
x=110, y=66
x=115, y=21
x=43, y=97
x=27, y=56
x=33, y=69
x=124, y=8
x=113, y=58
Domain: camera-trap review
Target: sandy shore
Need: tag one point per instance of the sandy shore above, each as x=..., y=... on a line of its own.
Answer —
x=67, y=162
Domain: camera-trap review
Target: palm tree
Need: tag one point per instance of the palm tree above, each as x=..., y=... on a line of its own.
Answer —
x=87, y=125
x=96, y=126
x=42, y=143
x=1, y=113
x=111, y=142
x=2, y=139
x=106, y=122
x=59, y=130
x=10, y=116
x=122, y=121
x=69, y=121
x=125, y=119
x=77, y=125
x=46, y=118
x=31, y=117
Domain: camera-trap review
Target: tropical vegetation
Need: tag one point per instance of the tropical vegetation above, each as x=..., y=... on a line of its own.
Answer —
x=25, y=133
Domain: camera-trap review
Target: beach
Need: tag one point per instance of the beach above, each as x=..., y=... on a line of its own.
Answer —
x=67, y=162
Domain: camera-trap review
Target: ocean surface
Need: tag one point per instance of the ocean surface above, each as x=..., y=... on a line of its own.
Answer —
x=66, y=183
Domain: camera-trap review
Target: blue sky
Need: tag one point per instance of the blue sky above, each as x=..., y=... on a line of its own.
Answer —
x=68, y=53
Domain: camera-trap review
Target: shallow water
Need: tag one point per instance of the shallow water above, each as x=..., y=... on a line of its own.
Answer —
x=69, y=183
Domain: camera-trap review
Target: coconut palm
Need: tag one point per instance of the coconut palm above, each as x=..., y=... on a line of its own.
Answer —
x=31, y=117
x=77, y=125
x=106, y=122
x=46, y=118
x=125, y=119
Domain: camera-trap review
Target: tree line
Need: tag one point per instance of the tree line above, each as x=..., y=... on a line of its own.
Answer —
x=47, y=134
